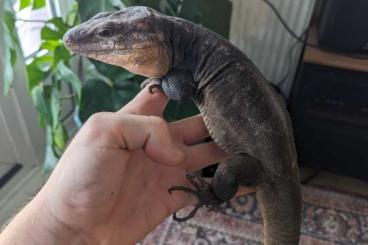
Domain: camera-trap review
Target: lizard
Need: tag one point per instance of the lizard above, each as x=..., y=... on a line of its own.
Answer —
x=242, y=112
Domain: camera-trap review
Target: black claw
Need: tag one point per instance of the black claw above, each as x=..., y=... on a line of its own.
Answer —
x=182, y=188
x=203, y=192
x=189, y=216
x=154, y=86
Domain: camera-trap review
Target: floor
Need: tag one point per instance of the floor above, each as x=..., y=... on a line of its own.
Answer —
x=26, y=184
x=338, y=182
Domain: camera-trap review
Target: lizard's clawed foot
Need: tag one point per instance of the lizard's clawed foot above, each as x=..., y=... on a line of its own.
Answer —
x=204, y=193
x=152, y=84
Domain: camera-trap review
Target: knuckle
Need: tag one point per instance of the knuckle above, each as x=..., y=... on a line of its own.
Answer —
x=96, y=126
x=158, y=122
x=98, y=118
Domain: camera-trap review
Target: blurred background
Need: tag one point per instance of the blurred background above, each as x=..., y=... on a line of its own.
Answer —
x=313, y=51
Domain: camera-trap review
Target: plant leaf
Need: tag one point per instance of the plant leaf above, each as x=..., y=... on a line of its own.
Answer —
x=8, y=59
x=49, y=34
x=10, y=25
x=60, y=138
x=24, y=4
x=64, y=73
x=60, y=54
x=177, y=110
x=59, y=24
x=37, y=4
x=50, y=45
x=72, y=17
x=96, y=96
x=8, y=74
x=55, y=105
x=41, y=97
x=91, y=72
x=37, y=71
x=13, y=57
x=117, y=4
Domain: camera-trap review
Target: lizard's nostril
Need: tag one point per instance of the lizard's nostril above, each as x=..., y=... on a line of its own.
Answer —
x=67, y=40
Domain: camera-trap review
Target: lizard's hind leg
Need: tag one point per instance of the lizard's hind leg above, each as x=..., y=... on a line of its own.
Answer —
x=241, y=169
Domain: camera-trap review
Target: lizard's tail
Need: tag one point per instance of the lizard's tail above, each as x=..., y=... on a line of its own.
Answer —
x=281, y=209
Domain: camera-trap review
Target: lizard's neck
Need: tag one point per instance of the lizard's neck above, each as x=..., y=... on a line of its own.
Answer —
x=183, y=38
x=205, y=54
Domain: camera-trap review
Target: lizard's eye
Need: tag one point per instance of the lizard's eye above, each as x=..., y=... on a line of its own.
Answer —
x=105, y=33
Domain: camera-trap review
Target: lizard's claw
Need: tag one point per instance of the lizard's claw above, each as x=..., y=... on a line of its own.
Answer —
x=189, y=216
x=203, y=192
x=151, y=87
x=152, y=83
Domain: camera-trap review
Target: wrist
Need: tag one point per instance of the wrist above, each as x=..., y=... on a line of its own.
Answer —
x=35, y=224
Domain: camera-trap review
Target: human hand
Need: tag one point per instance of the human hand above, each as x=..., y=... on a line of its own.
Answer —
x=111, y=184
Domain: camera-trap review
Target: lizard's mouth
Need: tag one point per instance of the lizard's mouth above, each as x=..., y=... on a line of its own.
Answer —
x=94, y=53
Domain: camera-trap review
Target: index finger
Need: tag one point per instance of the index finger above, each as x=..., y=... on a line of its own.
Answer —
x=146, y=103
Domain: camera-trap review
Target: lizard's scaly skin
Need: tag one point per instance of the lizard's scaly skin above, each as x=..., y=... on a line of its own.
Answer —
x=244, y=115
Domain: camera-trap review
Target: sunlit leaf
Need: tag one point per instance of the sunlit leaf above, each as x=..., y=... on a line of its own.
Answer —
x=49, y=34
x=50, y=45
x=24, y=4
x=37, y=4
x=37, y=71
x=60, y=138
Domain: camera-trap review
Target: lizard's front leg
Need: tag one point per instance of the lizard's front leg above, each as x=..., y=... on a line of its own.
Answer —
x=177, y=84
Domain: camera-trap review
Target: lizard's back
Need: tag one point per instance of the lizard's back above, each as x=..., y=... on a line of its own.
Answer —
x=242, y=111
x=247, y=118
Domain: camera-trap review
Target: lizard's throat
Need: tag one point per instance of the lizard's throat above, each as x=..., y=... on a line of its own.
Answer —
x=148, y=62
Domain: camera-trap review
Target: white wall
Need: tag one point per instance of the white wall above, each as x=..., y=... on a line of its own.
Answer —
x=257, y=32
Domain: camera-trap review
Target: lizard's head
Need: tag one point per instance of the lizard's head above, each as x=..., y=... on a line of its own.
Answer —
x=133, y=38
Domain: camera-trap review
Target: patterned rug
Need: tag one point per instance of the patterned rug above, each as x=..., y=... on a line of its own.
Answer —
x=329, y=217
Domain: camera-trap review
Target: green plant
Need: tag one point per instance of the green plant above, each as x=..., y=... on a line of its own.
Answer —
x=93, y=86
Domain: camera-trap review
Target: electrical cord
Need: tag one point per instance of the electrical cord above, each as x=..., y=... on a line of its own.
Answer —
x=303, y=40
x=285, y=25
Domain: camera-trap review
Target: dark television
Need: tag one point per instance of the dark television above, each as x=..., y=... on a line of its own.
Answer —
x=344, y=26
